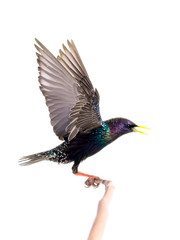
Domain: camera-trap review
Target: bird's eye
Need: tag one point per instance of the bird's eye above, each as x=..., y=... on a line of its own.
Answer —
x=128, y=126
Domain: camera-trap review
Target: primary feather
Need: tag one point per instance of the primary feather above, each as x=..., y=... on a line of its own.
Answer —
x=72, y=101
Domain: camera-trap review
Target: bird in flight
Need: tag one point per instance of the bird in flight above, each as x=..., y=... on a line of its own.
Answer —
x=73, y=104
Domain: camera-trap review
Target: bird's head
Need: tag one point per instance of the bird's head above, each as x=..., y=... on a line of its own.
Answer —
x=123, y=126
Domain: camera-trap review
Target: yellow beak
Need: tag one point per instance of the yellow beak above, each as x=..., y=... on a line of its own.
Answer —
x=136, y=130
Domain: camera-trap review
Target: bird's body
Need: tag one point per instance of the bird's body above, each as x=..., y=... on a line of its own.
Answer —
x=74, y=109
x=83, y=145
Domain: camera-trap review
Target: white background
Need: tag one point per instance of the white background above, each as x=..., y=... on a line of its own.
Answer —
x=131, y=50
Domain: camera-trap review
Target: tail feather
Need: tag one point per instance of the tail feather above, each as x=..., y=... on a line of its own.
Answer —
x=56, y=154
x=34, y=158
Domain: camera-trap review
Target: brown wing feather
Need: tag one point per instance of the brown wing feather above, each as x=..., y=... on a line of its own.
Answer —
x=72, y=101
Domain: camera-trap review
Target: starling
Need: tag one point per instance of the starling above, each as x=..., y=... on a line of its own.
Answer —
x=73, y=104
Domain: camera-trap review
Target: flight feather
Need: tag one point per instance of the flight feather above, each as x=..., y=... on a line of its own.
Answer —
x=72, y=101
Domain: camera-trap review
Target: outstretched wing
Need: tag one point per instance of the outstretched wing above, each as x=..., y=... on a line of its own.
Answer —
x=72, y=101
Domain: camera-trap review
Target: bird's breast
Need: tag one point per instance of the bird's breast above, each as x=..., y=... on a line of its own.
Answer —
x=86, y=145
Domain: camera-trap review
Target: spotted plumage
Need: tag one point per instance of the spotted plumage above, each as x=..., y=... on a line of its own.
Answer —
x=73, y=104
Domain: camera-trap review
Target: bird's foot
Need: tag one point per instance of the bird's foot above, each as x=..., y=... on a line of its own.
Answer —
x=93, y=181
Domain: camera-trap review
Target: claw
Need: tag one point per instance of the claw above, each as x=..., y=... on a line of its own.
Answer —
x=93, y=181
x=97, y=182
x=89, y=182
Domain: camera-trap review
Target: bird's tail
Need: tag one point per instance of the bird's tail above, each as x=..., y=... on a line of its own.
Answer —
x=34, y=158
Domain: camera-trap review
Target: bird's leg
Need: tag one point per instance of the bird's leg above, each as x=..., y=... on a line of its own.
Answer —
x=85, y=175
x=91, y=181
